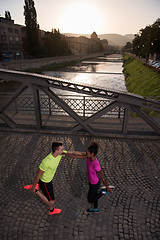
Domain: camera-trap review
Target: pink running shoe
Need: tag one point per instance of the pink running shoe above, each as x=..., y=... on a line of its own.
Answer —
x=55, y=211
x=29, y=186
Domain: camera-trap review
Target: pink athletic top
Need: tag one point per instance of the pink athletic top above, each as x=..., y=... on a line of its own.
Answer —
x=92, y=168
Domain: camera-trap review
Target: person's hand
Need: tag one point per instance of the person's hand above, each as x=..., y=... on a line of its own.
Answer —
x=109, y=189
x=32, y=189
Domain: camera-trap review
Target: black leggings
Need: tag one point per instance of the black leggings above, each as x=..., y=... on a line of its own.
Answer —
x=93, y=195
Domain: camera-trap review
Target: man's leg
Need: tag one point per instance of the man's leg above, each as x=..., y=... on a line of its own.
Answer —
x=50, y=204
x=47, y=196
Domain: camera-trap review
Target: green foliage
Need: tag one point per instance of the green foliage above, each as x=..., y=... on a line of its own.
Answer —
x=54, y=45
x=50, y=45
x=128, y=47
x=140, y=79
x=7, y=15
x=148, y=40
x=32, y=28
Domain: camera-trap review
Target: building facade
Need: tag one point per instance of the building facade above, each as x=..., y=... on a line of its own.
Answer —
x=10, y=39
x=84, y=45
x=13, y=41
x=78, y=45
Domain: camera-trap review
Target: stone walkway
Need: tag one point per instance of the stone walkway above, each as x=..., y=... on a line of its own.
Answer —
x=24, y=64
x=131, y=212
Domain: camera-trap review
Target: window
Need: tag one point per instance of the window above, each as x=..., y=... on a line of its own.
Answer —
x=2, y=28
x=9, y=29
x=17, y=39
x=3, y=37
x=16, y=31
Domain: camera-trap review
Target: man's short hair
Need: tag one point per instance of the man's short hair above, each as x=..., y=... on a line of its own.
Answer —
x=55, y=146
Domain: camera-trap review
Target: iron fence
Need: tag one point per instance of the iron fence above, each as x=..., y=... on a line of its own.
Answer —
x=84, y=106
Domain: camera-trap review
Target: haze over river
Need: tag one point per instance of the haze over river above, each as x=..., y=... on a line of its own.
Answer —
x=103, y=72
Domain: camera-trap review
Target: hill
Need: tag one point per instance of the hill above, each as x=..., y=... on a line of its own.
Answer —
x=117, y=39
x=113, y=39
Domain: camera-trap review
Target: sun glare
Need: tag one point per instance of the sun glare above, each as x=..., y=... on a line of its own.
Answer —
x=80, y=18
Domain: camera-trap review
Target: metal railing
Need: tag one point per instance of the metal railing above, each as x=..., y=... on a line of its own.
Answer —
x=82, y=110
x=84, y=106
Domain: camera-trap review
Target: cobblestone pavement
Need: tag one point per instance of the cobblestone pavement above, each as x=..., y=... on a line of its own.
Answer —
x=131, y=212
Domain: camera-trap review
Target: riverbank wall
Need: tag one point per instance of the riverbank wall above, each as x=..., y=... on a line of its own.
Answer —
x=24, y=64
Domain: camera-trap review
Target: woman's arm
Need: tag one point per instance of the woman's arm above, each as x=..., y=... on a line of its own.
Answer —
x=73, y=154
x=100, y=174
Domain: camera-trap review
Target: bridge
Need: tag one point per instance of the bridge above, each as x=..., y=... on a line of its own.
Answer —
x=46, y=85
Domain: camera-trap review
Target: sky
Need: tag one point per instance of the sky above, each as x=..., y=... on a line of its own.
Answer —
x=86, y=16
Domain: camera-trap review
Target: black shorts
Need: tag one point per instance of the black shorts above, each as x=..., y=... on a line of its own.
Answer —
x=47, y=190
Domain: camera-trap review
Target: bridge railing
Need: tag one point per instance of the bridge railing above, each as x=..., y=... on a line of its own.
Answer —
x=84, y=106
x=83, y=121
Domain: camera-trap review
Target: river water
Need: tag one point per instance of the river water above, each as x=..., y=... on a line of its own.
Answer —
x=103, y=72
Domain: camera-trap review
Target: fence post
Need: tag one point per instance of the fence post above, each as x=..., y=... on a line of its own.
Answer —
x=119, y=112
x=16, y=106
x=125, y=121
x=84, y=102
x=37, y=108
x=49, y=102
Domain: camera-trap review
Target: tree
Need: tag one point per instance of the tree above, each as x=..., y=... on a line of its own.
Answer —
x=7, y=15
x=32, y=28
x=136, y=45
x=148, y=40
x=128, y=47
x=155, y=39
x=54, y=45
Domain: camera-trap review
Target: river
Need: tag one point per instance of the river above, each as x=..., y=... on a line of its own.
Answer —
x=103, y=72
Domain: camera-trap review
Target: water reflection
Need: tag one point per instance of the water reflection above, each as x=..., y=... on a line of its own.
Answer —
x=98, y=73
x=104, y=67
x=99, y=67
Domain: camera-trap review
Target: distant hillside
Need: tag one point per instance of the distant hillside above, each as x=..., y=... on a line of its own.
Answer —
x=113, y=39
x=76, y=35
x=117, y=39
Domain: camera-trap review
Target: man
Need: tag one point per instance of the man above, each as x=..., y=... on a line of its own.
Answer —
x=45, y=174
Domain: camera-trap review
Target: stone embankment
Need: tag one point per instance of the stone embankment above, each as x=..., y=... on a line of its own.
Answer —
x=24, y=64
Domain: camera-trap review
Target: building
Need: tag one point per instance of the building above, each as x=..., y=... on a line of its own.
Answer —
x=84, y=45
x=95, y=43
x=14, y=43
x=78, y=45
x=104, y=43
x=10, y=39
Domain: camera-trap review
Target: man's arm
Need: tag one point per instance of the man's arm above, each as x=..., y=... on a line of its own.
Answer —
x=39, y=173
x=100, y=174
x=73, y=154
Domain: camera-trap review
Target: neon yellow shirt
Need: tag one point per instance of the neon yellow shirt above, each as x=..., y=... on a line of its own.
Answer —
x=49, y=165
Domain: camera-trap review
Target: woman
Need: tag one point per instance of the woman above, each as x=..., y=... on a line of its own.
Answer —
x=94, y=175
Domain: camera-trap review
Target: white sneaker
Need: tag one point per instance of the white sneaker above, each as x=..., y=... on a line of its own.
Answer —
x=104, y=189
x=111, y=187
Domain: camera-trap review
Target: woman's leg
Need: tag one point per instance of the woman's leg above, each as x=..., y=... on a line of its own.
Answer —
x=93, y=195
